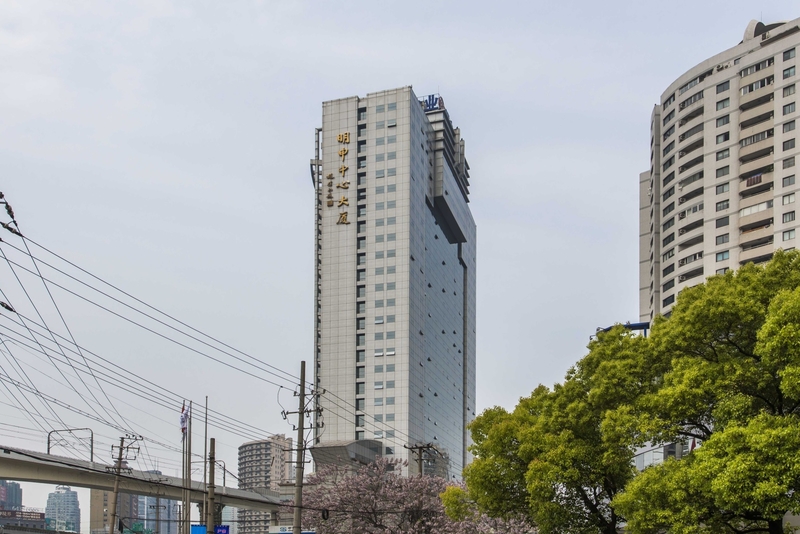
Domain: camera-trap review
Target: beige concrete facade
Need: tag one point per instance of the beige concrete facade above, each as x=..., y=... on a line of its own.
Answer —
x=720, y=191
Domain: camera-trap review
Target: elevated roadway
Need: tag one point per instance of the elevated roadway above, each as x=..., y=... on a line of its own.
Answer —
x=29, y=466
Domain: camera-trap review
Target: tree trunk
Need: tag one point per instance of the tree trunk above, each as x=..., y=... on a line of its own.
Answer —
x=775, y=526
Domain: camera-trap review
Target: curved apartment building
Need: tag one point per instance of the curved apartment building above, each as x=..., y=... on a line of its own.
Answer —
x=720, y=191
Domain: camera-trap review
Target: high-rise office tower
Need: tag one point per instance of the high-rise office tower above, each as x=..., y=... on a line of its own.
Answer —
x=263, y=465
x=63, y=513
x=157, y=514
x=99, y=513
x=10, y=495
x=720, y=191
x=395, y=280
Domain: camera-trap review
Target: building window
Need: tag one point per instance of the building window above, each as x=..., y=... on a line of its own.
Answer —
x=391, y=220
x=723, y=171
x=359, y=435
x=391, y=188
x=361, y=307
x=379, y=385
x=788, y=127
x=722, y=154
x=669, y=300
x=390, y=303
x=361, y=388
x=391, y=286
x=390, y=384
x=391, y=204
x=722, y=121
x=723, y=221
x=669, y=285
x=361, y=323
x=721, y=138
x=359, y=421
x=667, y=240
x=379, y=368
x=788, y=108
x=723, y=205
x=788, y=144
x=668, y=254
x=379, y=238
x=669, y=178
x=379, y=109
x=667, y=164
x=361, y=356
x=722, y=104
x=788, y=162
x=379, y=190
x=391, y=123
x=360, y=404
x=361, y=340
x=391, y=106
x=378, y=287
x=379, y=303
x=788, y=216
x=390, y=368
x=378, y=401
x=788, y=54
x=391, y=237
x=669, y=208
x=379, y=141
x=391, y=172
x=668, y=117
x=723, y=270
x=378, y=336
x=668, y=223
x=391, y=139
x=723, y=188
x=361, y=291
x=391, y=253
x=789, y=90
x=391, y=155
x=390, y=402
x=724, y=255
x=788, y=199
x=788, y=73
x=788, y=234
x=668, y=270
x=379, y=206
x=724, y=86
x=722, y=239
x=788, y=180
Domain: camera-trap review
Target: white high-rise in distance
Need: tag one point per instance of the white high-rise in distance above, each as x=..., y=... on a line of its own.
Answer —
x=721, y=187
x=395, y=282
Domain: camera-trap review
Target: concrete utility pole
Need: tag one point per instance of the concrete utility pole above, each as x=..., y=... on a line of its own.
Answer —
x=210, y=508
x=298, y=482
x=418, y=450
x=115, y=495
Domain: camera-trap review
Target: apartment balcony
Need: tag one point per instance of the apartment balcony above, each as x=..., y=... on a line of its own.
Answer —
x=759, y=74
x=692, y=229
x=759, y=121
x=758, y=254
x=691, y=147
x=754, y=151
x=755, y=185
x=691, y=132
x=691, y=274
x=752, y=113
x=687, y=244
x=747, y=168
x=757, y=199
x=756, y=99
x=691, y=214
x=756, y=219
x=696, y=111
x=756, y=236
x=690, y=195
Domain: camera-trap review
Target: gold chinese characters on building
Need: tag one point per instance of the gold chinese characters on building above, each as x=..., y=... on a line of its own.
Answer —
x=344, y=183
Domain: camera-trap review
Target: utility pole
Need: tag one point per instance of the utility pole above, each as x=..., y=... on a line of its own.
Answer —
x=418, y=450
x=298, y=476
x=205, y=453
x=210, y=508
x=114, y=496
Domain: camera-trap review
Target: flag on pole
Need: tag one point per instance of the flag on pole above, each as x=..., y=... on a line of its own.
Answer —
x=184, y=420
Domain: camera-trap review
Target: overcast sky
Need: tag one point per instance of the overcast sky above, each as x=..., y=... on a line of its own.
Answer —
x=164, y=146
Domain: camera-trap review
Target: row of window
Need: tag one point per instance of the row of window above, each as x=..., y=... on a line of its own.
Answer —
x=391, y=106
x=381, y=157
x=725, y=86
x=387, y=140
x=389, y=237
x=391, y=188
